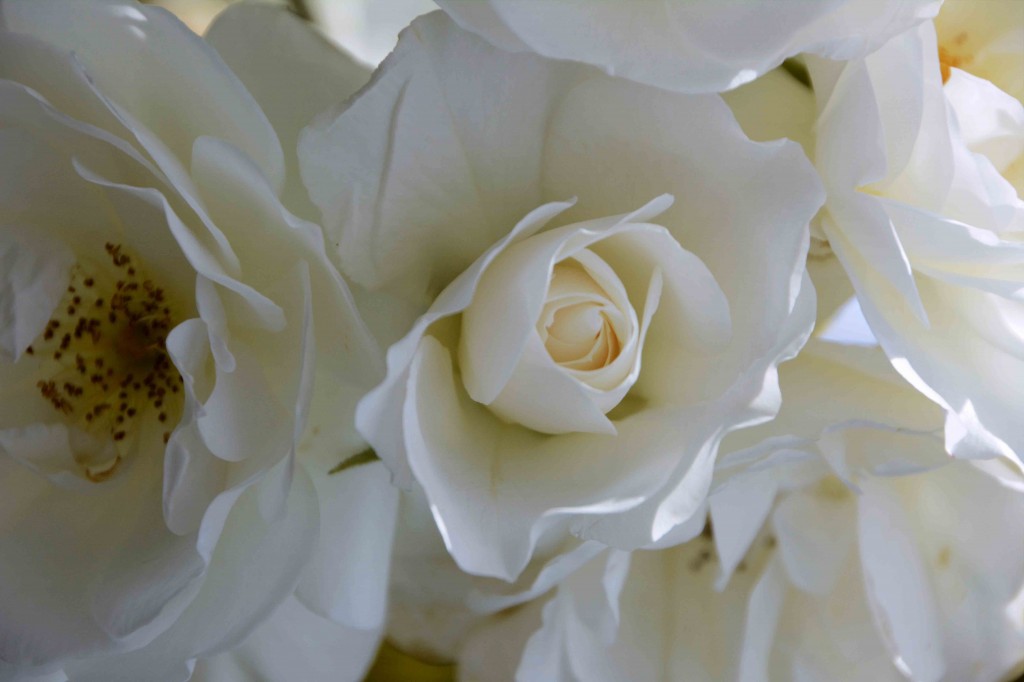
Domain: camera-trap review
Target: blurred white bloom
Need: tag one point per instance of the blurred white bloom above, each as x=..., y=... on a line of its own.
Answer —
x=172, y=337
x=846, y=546
x=575, y=361
x=692, y=46
x=368, y=29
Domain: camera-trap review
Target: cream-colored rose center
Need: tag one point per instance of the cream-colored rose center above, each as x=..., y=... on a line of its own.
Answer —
x=103, y=359
x=581, y=326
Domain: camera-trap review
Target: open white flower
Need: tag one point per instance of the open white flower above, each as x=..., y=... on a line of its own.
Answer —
x=924, y=224
x=171, y=337
x=986, y=41
x=692, y=46
x=926, y=231
x=846, y=546
x=981, y=56
x=574, y=363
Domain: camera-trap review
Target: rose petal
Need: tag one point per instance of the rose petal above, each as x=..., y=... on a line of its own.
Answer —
x=107, y=35
x=266, y=47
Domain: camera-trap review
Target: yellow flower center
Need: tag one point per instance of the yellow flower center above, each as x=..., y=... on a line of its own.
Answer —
x=104, y=357
x=952, y=55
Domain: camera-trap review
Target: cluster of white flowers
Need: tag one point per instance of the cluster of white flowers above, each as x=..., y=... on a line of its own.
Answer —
x=525, y=353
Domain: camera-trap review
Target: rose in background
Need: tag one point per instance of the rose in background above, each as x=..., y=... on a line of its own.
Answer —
x=582, y=342
x=366, y=29
x=981, y=58
x=846, y=545
x=696, y=46
x=923, y=214
x=983, y=41
x=180, y=360
x=928, y=232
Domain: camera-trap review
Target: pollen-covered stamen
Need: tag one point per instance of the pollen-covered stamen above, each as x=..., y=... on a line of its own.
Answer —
x=104, y=352
x=952, y=54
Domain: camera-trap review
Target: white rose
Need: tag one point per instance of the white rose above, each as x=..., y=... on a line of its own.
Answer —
x=927, y=230
x=574, y=363
x=986, y=41
x=171, y=338
x=846, y=545
x=981, y=57
x=691, y=46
